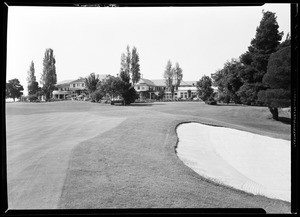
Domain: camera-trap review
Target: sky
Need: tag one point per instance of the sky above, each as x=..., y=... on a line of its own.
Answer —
x=92, y=39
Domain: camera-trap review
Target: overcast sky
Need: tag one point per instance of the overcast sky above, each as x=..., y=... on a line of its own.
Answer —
x=86, y=40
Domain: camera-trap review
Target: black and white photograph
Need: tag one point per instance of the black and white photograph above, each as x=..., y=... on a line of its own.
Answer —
x=162, y=107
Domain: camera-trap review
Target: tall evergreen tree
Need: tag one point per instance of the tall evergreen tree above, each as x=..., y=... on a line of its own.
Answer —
x=126, y=89
x=278, y=80
x=31, y=77
x=177, y=75
x=255, y=60
x=124, y=70
x=135, y=66
x=32, y=84
x=49, y=77
x=168, y=76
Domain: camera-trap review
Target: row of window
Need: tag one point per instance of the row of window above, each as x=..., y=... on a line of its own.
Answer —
x=182, y=95
x=151, y=88
x=62, y=89
x=78, y=85
x=72, y=85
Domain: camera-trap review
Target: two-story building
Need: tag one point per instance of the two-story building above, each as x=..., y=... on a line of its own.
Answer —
x=75, y=89
x=186, y=89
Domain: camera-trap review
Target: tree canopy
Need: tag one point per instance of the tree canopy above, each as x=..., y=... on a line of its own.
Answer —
x=255, y=60
x=173, y=76
x=92, y=82
x=204, y=88
x=32, y=84
x=228, y=81
x=14, y=89
x=48, y=78
x=278, y=81
x=135, y=66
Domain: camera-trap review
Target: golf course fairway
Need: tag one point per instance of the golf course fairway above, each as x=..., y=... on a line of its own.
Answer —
x=83, y=155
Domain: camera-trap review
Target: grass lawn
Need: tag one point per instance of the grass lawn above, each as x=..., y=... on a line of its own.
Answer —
x=101, y=156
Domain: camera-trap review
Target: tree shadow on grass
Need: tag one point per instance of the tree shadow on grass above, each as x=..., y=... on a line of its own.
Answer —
x=284, y=120
x=145, y=104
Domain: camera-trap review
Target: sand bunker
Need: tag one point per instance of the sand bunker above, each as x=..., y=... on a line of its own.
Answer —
x=253, y=163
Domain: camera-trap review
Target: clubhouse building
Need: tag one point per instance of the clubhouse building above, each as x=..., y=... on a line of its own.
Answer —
x=187, y=89
x=146, y=88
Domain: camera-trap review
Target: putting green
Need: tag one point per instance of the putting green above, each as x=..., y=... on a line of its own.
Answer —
x=38, y=152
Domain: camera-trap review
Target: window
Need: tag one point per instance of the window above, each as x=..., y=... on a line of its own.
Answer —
x=83, y=84
x=138, y=87
x=181, y=94
x=73, y=85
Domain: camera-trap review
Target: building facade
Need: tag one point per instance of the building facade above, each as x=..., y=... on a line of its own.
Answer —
x=73, y=89
x=151, y=88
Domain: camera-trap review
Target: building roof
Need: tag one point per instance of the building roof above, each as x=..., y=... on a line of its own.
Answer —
x=162, y=83
x=145, y=81
x=78, y=80
x=159, y=82
x=64, y=82
x=188, y=83
x=62, y=85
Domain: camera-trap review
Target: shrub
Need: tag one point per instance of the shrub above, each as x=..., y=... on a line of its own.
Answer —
x=211, y=101
x=32, y=97
x=96, y=96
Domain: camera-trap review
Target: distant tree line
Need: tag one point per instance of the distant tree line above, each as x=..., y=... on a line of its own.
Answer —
x=48, y=80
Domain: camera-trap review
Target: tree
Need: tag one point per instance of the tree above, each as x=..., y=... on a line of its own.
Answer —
x=228, y=81
x=255, y=60
x=97, y=95
x=124, y=70
x=129, y=94
x=177, y=75
x=168, y=76
x=205, y=90
x=14, y=89
x=161, y=94
x=92, y=82
x=31, y=77
x=278, y=81
x=32, y=84
x=129, y=65
x=135, y=66
x=111, y=87
x=49, y=77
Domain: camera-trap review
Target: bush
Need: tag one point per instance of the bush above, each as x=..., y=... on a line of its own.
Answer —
x=130, y=96
x=211, y=101
x=96, y=96
x=32, y=98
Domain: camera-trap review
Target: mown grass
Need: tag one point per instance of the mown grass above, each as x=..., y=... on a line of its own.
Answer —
x=134, y=165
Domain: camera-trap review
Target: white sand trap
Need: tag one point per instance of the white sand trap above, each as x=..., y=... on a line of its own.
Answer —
x=38, y=151
x=253, y=163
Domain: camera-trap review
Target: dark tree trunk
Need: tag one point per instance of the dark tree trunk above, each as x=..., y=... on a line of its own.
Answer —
x=274, y=112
